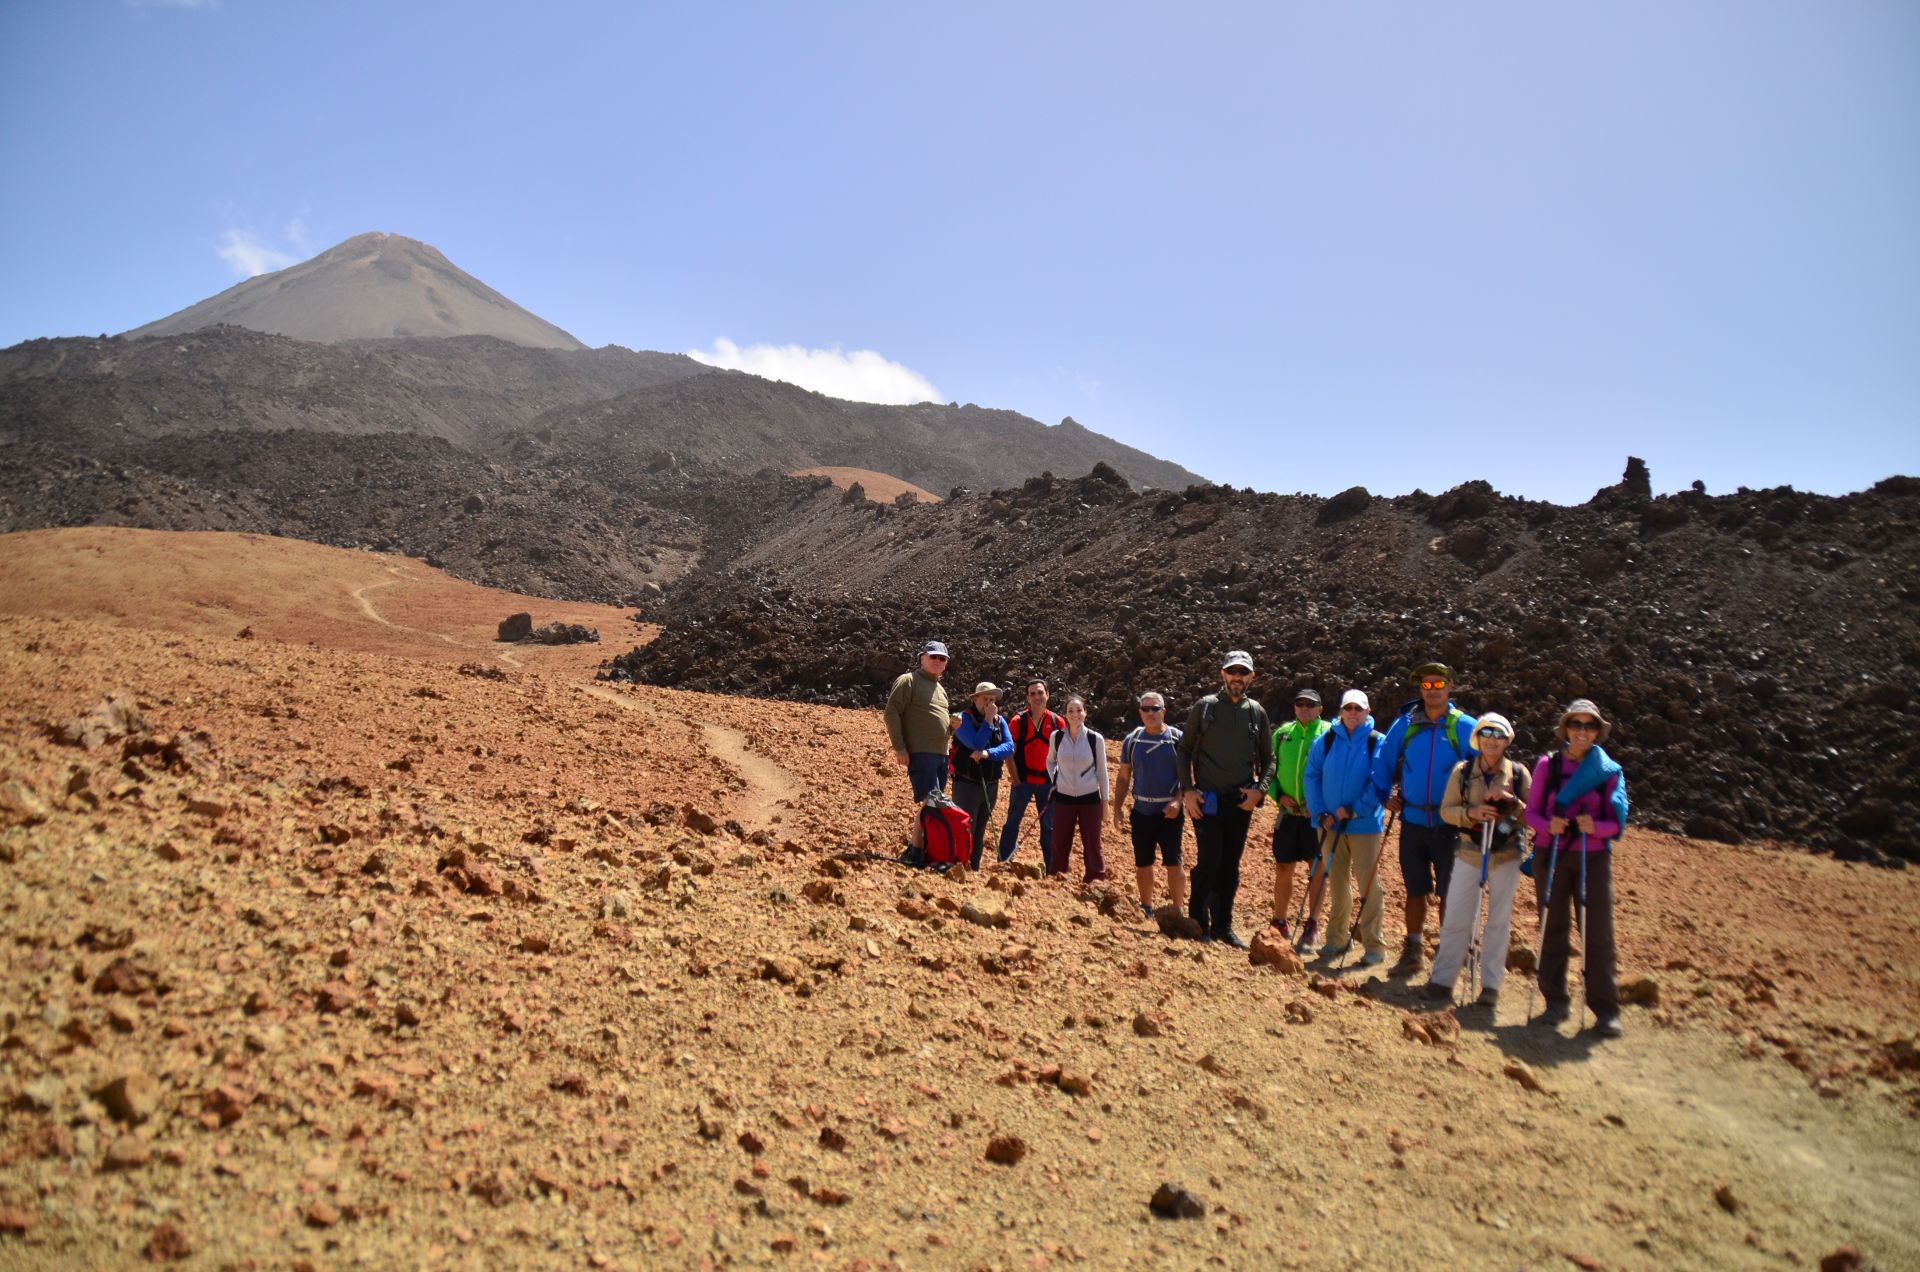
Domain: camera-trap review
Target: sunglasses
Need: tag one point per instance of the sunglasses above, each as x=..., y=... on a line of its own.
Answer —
x=1585, y=726
x=1354, y=706
x=935, y=657
x=1433, y=684
x=1147, y=708
x=1490, y=733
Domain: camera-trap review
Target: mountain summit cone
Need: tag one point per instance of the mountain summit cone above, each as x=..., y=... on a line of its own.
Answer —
x=373, y=286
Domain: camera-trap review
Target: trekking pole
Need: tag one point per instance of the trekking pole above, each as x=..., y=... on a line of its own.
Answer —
x=1583, y=929
x=1479, y=926
x=1540, y=940
x=1309, y=898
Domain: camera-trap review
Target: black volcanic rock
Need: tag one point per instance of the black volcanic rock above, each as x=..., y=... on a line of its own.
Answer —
x=1763, y=686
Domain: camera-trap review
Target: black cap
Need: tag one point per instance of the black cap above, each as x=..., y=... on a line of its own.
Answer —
x=1308, y=695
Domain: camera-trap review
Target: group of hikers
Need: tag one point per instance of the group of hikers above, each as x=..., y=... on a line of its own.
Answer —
x=1472, y=819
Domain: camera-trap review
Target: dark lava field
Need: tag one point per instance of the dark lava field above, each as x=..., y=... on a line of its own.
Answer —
x=1757, y=650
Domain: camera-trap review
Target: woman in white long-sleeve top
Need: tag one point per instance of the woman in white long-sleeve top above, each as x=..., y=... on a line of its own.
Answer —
x=1077, y=765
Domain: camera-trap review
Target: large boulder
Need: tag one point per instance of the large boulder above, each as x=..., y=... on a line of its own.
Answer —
x=1349, y=502
x=565, y=634
x=518, y=627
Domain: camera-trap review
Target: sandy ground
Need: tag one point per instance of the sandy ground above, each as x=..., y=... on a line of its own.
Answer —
x=366, y=948
x=880, y=487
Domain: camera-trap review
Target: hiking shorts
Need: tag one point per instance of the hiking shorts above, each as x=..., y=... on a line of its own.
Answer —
x=928, y=773
x=1426, y=857
x=1294, y=839
x=1151, y=831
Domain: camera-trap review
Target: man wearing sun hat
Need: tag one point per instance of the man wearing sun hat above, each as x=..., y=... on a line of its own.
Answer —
x=1430, y=737
x=980, y=744
x=1487, y=790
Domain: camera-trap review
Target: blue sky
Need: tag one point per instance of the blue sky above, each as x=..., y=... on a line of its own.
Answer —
x=1293, y=246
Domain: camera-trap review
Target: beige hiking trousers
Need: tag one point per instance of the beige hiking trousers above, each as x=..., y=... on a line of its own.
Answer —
x=1354, y=859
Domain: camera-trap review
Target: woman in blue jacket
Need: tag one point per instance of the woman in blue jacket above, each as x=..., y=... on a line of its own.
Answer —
x=1343, y=803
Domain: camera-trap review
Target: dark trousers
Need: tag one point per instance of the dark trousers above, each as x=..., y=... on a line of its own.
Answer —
x=1088, y=819
x=976, y=800
x=1603, y=965
x=1218, y=841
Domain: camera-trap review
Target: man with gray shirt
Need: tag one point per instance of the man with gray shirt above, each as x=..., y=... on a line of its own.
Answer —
x=1226, y=756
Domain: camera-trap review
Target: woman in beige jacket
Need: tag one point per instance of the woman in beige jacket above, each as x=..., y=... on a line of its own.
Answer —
x=1485, y=789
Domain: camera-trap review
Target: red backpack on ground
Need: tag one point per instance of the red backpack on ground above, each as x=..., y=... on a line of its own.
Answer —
x=946, y=832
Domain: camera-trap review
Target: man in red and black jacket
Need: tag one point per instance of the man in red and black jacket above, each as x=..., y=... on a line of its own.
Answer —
x=1031, y=728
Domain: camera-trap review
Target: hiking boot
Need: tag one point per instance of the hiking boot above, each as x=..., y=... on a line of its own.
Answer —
x=1488, y=998
x=1282, y=925
x=1229, y=937
x=1411, y=959
x=1556, y=1013
x=1608, y=1027
x=1372, y=958
x=1436, y=992
x=1146, y=909
x=1336, y=951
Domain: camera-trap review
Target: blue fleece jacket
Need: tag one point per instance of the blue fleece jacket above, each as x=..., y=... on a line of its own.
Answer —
x=971, y=733
x=1340, y=775
x=1431, y=749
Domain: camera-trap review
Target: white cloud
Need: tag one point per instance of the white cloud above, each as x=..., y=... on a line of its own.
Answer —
x=246, y=254
x=859, y=376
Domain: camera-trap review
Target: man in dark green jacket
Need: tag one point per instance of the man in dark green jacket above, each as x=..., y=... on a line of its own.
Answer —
x=919, y=724
x=1294, y=840
x=1224, y=754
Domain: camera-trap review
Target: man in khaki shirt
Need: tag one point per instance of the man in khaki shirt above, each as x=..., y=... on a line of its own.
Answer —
x=918, y=722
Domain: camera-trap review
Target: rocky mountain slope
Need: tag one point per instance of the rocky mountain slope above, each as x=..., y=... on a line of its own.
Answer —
x=1759, y=650
x=373, y=286
x=91, y=395
x=732, y=422
x=552, y=534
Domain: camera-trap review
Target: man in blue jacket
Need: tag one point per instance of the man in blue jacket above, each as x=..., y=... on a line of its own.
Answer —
x=1341, y=799
x=981, y=743
x=1410, y=777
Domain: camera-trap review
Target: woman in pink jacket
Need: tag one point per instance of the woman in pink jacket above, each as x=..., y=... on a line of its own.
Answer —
x=1576, y=807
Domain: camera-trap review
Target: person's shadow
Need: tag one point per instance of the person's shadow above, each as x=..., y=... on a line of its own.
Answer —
x=1540, y=1045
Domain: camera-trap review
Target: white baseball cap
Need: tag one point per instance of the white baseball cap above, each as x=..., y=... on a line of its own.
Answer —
x=1351, y=696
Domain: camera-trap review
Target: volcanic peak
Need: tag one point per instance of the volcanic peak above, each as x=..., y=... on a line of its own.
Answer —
x=373, y=286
